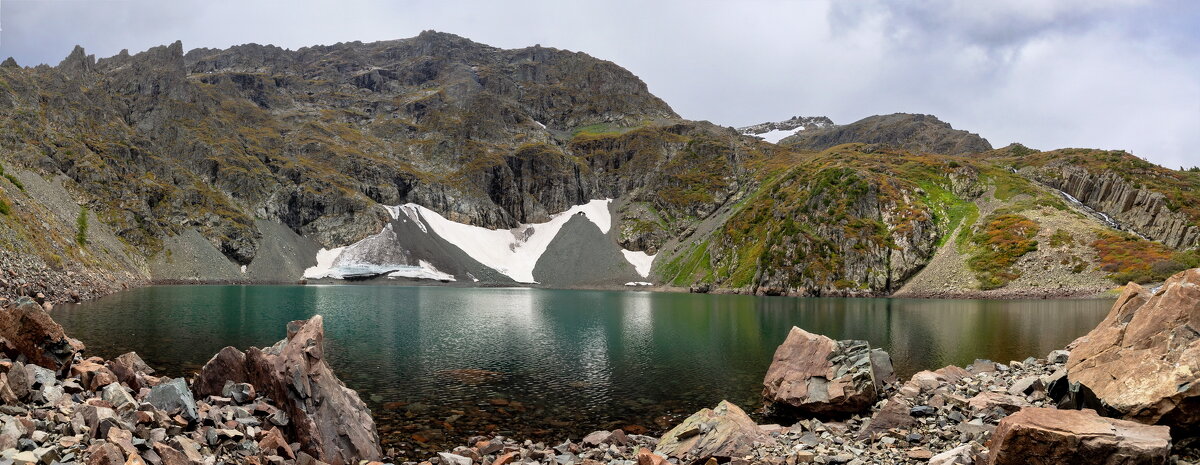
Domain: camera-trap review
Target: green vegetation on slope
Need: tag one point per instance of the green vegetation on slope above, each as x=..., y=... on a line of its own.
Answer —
x=81, y=226
x=998, y=244
x=1130, y=258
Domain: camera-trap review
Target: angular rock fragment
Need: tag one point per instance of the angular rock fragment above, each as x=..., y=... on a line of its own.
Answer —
x=811, y=374
x=722, y=433
x=174, y=397
x=228, y=365
x=1051, y=436
x=32, y=334
x=328, y=419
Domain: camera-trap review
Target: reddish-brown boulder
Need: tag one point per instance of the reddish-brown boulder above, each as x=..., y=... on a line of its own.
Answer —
x=814, y=375
x=722, y=432
x=32, y=334
x=130, y=370
x=328, y=419
x=92, y=374
x=274, y=443
x=105, y=454
x=227, y=365
x=1143, y=360
x=893, y=416
x=1048, y=436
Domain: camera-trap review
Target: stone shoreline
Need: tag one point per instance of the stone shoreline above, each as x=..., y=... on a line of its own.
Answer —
x=837, y=403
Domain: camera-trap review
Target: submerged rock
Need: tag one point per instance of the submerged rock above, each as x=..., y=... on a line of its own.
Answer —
x=811, y=374
x=722, y=433
x=1143, y=359
x=1051, y=436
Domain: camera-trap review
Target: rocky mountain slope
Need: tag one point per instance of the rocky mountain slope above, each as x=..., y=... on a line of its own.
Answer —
x=438, y=158
x=917, y=133
x=775, y=131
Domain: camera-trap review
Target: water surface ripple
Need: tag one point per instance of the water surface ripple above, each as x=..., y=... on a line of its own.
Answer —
x=440, y=364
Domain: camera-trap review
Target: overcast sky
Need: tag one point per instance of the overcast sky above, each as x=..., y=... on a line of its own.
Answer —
x=1113, y=74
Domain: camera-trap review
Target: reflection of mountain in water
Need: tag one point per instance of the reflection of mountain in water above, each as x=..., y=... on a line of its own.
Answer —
x=541, y=359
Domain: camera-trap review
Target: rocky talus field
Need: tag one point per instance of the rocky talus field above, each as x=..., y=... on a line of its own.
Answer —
x=264, y=165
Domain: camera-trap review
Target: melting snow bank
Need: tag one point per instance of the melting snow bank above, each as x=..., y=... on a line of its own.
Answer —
x=424, y=271
x=638, y=283
x=776, y=135
x=512, y=252
x=641, y=261
x=324, y=268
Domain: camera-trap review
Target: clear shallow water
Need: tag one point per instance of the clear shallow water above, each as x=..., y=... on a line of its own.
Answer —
x=439, y=364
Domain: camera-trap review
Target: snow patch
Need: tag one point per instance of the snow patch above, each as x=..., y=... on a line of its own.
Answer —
x=512, y=252
x=641, y=261
x=638, y=283
x=394, y=211
x=539, y=123
x=324, y=267
x=412, y=214
x=776, y=135
x=243, y=269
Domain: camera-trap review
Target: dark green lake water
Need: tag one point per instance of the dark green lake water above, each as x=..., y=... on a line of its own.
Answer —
x=563, y=361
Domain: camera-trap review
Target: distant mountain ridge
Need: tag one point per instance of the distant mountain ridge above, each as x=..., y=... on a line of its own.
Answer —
x=918, y=133
x=240, y=165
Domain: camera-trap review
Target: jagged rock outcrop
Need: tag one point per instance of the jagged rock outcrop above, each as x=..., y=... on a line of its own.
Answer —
x=28, y=333
x=722, y=432
x=329, y=420
x=790, y=124
x=228, y=365
x=1050, y=436
x=1134, y=206
x=811, y=374
x=472, y=131
x=919, y=133
x=1142, y=360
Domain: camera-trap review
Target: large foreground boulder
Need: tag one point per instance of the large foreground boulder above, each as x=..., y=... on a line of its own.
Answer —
x=1051, y=436
x=721, y=433
x=1143, y=360
x=327, y=418
x=814, y=375
x=31, y=334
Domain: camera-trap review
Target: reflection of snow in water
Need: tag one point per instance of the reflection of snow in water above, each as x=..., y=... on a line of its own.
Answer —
x=637, y=323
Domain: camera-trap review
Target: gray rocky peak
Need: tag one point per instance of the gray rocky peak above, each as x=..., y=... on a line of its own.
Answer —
x=914, y=132
x=793, y=123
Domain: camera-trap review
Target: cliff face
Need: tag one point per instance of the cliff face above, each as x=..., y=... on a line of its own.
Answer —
x=1158, y=203
x=1137, y=208
x=162, y=142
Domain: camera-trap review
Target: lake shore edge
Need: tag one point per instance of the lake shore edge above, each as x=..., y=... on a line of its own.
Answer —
x=944, y=416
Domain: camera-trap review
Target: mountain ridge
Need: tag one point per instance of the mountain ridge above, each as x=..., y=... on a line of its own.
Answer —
x=255, y=148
